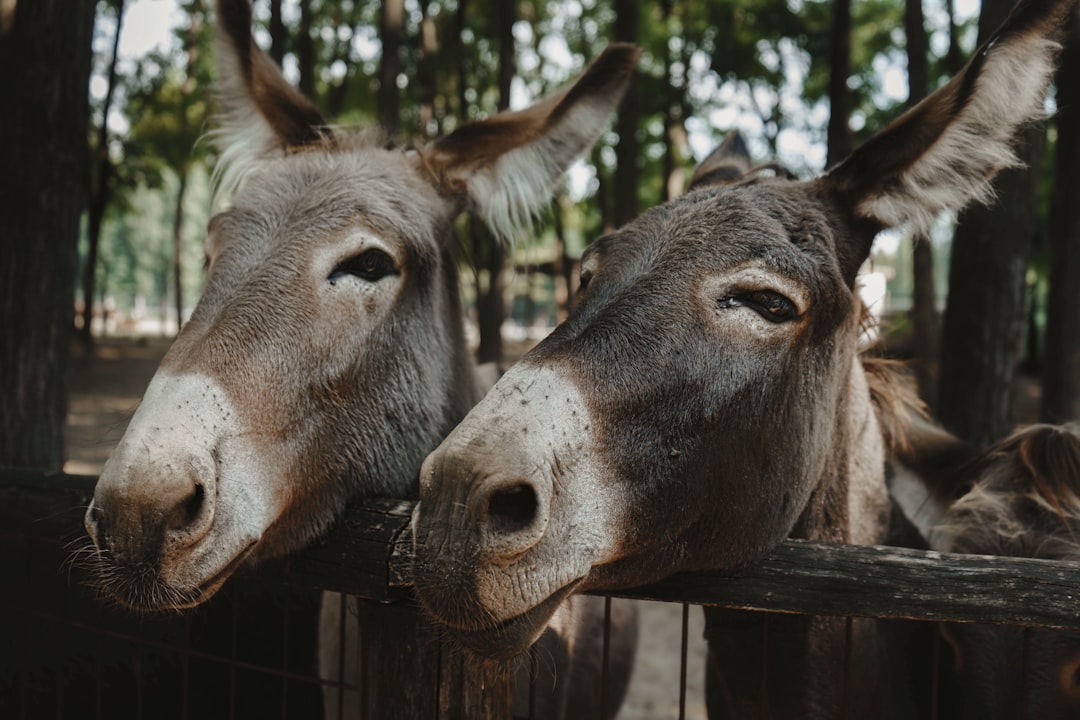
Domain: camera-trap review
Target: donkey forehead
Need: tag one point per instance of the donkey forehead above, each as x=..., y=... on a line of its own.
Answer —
x=779, y=225
x=316, y=193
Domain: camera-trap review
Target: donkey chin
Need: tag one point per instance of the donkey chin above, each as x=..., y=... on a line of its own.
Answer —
x=161, y=586
x=499, y=640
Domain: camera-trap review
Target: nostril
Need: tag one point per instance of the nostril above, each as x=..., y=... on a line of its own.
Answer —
x=511, y=509
x=188, y=511
x=194, y=504
x=92, y=522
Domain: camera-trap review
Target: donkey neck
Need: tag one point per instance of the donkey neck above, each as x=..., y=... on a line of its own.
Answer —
x=851, y=503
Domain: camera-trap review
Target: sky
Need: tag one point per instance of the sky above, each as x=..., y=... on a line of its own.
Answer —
x=147, y=26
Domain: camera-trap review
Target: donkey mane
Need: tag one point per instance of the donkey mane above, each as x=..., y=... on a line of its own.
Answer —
x=897, y=404
x=1026, y=500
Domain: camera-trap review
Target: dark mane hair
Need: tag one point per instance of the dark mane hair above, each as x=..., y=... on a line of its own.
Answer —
x=1024, y=500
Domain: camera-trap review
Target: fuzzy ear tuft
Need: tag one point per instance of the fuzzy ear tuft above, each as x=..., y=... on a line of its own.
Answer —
x=259, y=112
x=944, y=153
x=506, y=167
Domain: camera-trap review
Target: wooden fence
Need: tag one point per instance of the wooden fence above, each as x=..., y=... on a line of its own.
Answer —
x=66, y=656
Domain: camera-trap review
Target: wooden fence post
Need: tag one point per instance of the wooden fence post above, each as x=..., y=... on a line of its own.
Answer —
x=472, y=688
x=408, y=672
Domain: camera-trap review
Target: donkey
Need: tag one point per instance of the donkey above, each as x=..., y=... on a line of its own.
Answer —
x=1022, y=499
x=326, y=356
x=706, y=398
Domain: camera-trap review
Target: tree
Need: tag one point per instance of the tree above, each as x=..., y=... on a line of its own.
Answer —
x=44, y=74
x=169, y=113
x=924, y=305
x=183, y=164
x=676, y=141
x=391, y=31
x=426, y=74
x=490, y=305
x=277, y=33
x=982, y=338
x=840, y=142
x=99, y=188
x=305, y=49
x=1061, y=379
x=626, y=174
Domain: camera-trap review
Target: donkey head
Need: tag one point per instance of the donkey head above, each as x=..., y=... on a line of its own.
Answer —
x=326, y=355
x=1023, y=501
x=705, y=399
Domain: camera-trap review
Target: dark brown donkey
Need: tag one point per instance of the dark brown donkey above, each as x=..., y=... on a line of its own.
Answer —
x=326, y=356
x=1021, y=499
x=706, y=398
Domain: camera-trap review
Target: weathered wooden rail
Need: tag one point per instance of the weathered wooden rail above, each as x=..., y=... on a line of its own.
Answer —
x=798, y=577
x=369, y=556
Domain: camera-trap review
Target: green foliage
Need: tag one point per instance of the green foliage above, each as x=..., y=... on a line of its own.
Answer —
x=169, y=102
x=709, y=66
x=136, y=251
x=163, y=99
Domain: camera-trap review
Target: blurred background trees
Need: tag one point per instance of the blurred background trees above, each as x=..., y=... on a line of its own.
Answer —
x=803, y=80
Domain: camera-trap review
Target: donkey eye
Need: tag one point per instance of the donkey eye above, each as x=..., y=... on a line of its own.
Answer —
x=371, y=265
x=770, y=305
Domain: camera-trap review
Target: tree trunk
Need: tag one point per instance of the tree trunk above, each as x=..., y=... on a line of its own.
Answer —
x=490, y=305
x=95, y=218
x=602, y=198
x=192, y=50
x=626, y=152
x=676, y=139
x=983, y=333
x=924, y=320
x=839, y=132
x=1061, y=379
x=336, y=95
x=391, y=31
x=564, y=300
x=954, y=56
x=44, y=74
x=507, y=16
x=918, y=63
x=305, y=51
x=426, y=73
x=178, y=246
x=99, y=188
x=278, y=35
x=458, y=51
x=924, y=300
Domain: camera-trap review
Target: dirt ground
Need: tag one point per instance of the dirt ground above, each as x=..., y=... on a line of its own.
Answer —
x=106, y=391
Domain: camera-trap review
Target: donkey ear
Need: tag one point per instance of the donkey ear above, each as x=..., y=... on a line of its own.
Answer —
x=507, y=166
x=259, y=111
x=729, y=161
x=944, y=152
